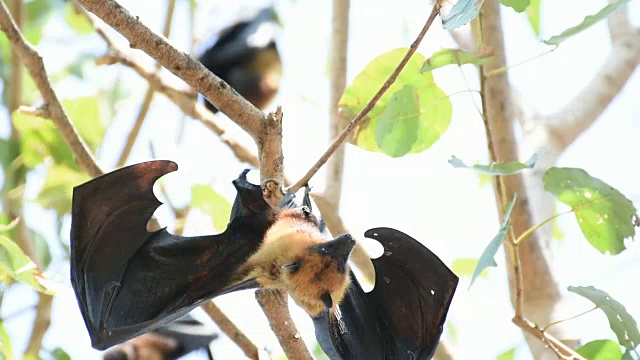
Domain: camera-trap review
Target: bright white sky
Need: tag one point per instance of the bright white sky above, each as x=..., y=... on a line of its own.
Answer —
x=421, y=194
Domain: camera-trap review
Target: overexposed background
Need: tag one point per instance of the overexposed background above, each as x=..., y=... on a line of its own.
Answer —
x=449, y=210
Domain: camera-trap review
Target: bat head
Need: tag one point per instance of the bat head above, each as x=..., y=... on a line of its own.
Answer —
x=318, y=278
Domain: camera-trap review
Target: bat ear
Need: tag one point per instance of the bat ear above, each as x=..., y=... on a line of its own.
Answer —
x=247, y=284
x=291, y=267
x=326, y=299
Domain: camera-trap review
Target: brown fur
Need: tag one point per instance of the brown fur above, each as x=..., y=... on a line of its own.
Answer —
x=287, y=242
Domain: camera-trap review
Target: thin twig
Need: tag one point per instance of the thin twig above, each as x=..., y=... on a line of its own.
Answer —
x=363, y=113
x=562, y=350
x=34, y=64
x=183, y=99
x=217, y=91
x=148, y=96
x=230, y=329
x=40, y=326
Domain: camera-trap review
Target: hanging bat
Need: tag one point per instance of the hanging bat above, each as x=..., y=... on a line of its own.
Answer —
x=246, y=57
x=167, y=342
x=129, y=281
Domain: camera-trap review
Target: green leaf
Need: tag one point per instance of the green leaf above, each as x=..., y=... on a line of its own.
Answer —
x=5, y=341
x=533, y=14
x=207, y=200
x=458, y=57
x=435, y=107
x=509, y=168
x=60, y=354
x=605, y=216
x=8, y=227
x=622, y=324
x=84, y=112
x=507, y=355
x=19, y=267
x=57, y=190
x=40, y=140
x=397, y=128
x=41, y=250
x=487, y=258
x=76, y=20
x=465, y=266
x=517, y=5
x=318, y=353
x=588, y=21
x=461, y=13
x=600, y=350
x=628, y=356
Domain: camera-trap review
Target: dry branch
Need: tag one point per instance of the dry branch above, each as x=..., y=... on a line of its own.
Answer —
x=191, y=71
x=34, y=64
x=230, y=329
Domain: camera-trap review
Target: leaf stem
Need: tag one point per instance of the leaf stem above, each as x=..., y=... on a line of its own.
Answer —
x=567, y=319
x=530, y=231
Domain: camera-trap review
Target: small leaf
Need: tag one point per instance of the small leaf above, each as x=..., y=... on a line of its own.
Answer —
x=588, y=21
x=397, y=128
x=57, y=190
x=517, y=5
x=41, y=250
x=76, y=20
x=458, y=57
x=507, y=355
x=461, y=13
x=84, y=112
x=487, y=258
x=318, y=353
x=509, y=168
x=606, y=217
x=207, y=200
x=19, y=267
x=533, y=14
x=60, y=354
x=465, y=266
x=628, y=356
x=600, y=350
x=5, y=341
x=622, y=324
x=435, y=109
x=40, y=140
x=8, y=227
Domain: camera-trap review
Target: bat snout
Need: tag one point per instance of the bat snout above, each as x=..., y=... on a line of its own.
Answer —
x=341, y=246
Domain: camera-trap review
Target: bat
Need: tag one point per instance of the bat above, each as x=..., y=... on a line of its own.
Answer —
x=129, y=281
x=167, y=342
x=245, y=55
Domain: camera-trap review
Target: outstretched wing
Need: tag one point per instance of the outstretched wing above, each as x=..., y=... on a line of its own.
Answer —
x=402, y=318
x=129, y=281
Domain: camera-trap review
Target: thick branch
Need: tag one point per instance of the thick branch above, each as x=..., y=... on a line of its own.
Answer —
x=589, y=103
x=217, y=91
x=362, y=115
x=274, y=305
x=40, y=326
x=34, y=64
x=230, y=329
x=530, y=276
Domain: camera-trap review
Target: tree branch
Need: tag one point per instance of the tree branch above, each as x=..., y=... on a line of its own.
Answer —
x=362, y=115
x=274, y=305
x=529, y=268
x=183, y=99
x=230, y=329
x=588, y=104
x=34, y=64
x=217, y=91
x=148, y=96
x=40, y=326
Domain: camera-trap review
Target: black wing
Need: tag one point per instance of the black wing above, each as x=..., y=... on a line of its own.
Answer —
x=129, y=281
x=403, y=317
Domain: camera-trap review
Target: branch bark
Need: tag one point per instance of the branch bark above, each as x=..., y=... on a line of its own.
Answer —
x=230, y=329
x=217, y=91
x=34, y=64
x=530, y=275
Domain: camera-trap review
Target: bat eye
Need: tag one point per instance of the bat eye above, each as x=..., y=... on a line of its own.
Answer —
x=323, y=250
x=291, y=267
